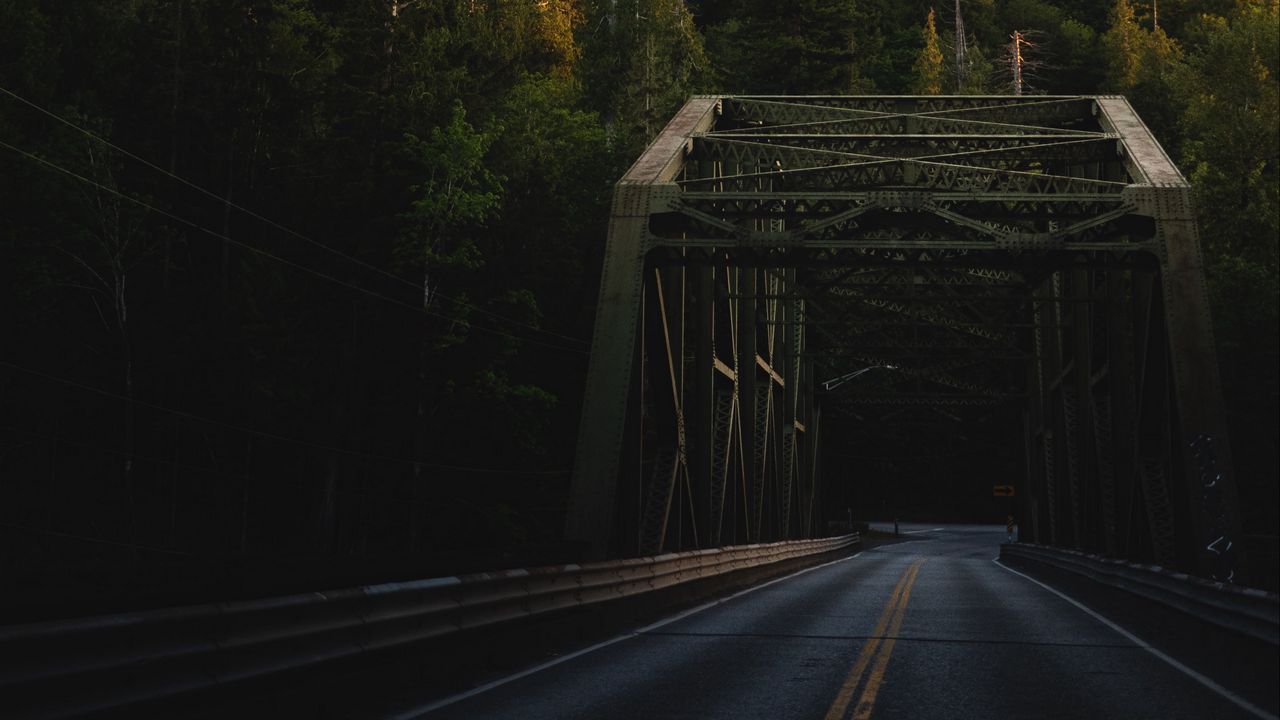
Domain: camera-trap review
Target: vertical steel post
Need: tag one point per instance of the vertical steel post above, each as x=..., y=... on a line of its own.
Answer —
x=1119, y=411
x=1197, y=385
x=594, y=486
x=701, y=399
x=1037, y=477
x=745, y=366
x=593, y=491
x=1056, y=494
x=1081, y=435
x=1152, y=418
x=787, y=363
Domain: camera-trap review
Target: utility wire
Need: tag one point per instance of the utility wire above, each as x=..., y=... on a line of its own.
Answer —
x=273, y=436
x=277, y=258
x=269, y=221
x=275, y=481
x=100, y=541
x=123, y=454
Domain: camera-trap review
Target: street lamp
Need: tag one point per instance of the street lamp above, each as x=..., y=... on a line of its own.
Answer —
x=836, y=382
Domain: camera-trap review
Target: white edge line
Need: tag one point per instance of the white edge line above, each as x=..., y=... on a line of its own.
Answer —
x=1203, y=680
x=433, y=706
x=913, y=532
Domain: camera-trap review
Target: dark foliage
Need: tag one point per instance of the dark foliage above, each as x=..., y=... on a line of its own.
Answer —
x=298, y=292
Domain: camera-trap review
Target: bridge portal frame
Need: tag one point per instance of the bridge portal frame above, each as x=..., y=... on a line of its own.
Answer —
x=701, y=382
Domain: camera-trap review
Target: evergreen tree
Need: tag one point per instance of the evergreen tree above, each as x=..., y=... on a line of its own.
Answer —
x=800, y=47
x=1124, y=42
x=644, y=59
x=929, y=69
x=457, y=193
x=1144, y=65
x=981, y=77
x=1075, y=54
x=1232, y=150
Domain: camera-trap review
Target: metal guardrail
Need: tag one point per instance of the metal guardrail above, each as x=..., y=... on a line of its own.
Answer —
x=1249, y=611
x=66, y=668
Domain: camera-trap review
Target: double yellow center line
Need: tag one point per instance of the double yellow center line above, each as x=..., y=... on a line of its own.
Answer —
x=890, y=621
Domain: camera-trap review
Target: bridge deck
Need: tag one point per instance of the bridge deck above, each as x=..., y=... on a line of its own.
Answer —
x=931, y=628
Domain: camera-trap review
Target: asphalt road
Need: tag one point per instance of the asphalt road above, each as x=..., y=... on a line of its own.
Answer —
x=927, y=628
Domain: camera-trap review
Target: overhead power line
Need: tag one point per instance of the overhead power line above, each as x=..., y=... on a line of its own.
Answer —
x=99, y=541
x=283, y=228
x=259, y=251
x=275, y=481
x=273, y=436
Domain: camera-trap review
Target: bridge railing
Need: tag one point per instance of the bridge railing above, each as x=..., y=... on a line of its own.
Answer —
x=1247, y=611
x=64, y=668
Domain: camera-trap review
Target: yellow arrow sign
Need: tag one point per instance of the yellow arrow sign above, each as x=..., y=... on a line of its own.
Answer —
x=1002, y=490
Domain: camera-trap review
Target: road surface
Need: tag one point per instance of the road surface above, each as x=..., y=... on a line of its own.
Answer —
x=931, y=627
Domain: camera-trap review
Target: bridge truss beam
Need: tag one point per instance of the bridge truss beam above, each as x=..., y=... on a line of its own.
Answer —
x=1035, y=257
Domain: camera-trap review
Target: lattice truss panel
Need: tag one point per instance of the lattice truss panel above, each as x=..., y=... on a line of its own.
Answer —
x=1018, y=261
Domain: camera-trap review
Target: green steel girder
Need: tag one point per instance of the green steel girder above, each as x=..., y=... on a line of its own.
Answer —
x=817, y=197
x=889, y=115
x=925, y=400
x=1033, y=256
x=1003, y=108
x=743, y=151
x=896, y=174
x=731, y=212
x=827, y=218
x=961, y=277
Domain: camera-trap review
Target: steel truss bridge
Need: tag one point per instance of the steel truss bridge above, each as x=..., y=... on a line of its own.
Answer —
x=1031, y=258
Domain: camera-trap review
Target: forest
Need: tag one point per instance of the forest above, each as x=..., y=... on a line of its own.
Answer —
x=300, y=291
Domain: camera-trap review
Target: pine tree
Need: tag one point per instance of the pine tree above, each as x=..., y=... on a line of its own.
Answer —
x=799, y=47
x=980, y=74
x=1143, y=65
x=1231, y=118
x=644, y=59
x=928, y=67
x=1123, y=42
